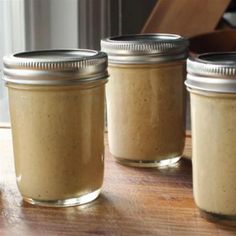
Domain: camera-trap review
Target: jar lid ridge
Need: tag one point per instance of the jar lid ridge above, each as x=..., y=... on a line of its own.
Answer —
x=213, y=72
x=145, y=48
x=52, y=67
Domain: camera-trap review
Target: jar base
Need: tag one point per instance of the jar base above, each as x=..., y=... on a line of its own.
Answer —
x=150, y=164
x=65, y=202
x=216, y=217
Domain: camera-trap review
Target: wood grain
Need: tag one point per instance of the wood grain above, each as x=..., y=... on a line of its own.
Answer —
x=185, y=17
x=133, y=202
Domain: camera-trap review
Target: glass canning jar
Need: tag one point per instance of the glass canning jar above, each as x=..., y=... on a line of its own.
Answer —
x=146, y=98
x=57, y=115
x=211, y=81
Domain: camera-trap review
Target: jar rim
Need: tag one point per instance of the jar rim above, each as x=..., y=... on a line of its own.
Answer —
x=52, y=67
x=213, y=72
x=145, y=48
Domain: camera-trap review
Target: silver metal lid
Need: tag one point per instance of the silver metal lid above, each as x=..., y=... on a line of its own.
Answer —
x=145, y=48
x=213, y=72
x=55, y=67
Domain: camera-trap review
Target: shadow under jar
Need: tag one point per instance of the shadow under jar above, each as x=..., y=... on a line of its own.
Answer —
x=56, y=103
x=211, y=81
x=146, y=98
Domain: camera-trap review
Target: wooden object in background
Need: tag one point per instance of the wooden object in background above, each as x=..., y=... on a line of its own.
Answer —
x=185, y=17
x=216, y=41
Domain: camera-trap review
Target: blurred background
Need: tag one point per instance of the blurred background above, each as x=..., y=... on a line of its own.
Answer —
x=44, y=24
x=47, y=24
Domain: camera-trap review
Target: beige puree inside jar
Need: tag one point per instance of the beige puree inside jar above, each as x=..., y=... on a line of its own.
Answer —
x=146, y=110
x=58, y=134
x=214, y=152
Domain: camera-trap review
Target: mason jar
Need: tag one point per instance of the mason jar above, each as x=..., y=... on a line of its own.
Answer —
x=146, y=98
x=211, y=81
x=56, y=101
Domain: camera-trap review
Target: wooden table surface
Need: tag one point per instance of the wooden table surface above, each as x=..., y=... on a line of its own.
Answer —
x=133, y=202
